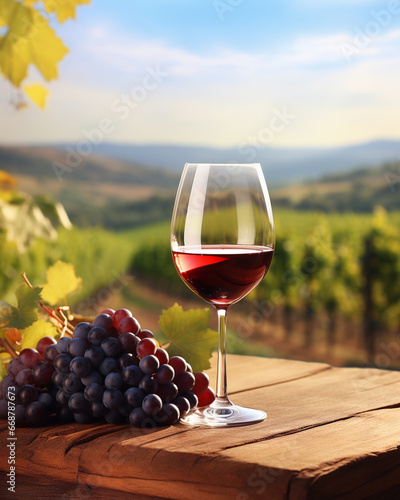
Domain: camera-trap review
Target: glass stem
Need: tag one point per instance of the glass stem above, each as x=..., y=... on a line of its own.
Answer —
x=221, y=366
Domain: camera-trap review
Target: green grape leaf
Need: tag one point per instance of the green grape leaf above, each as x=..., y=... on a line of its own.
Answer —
x=7, y=311
x=61, y=282
x=186, y=334
x=26, y=311
x=33, y=333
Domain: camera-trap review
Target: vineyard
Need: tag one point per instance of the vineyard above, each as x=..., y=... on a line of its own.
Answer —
x=332, y=276
x=334, y=279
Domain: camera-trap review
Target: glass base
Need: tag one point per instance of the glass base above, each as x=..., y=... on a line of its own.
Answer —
x=223, y=413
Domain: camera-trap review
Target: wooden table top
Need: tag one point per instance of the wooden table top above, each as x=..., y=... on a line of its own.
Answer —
x=330, y=433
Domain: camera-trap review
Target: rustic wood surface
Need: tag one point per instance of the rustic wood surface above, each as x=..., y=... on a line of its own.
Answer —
x=330, y=433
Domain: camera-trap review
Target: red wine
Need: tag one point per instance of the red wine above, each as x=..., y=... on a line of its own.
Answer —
x=222, y=275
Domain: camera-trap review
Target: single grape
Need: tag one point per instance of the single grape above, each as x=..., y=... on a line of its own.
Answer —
x=29, y=357
x=77, y=403
x=113, y=417
x=24, y=377
x=64, y=415
x=184, y=380
x=37, y=414
x=3, y=409
x=62, y=344
x=58, y=379
x=83, y=418
x=93, y=392
x=28, y=394
x=113, y=332
x=43, y=344
x=20, y=417
x=8, y=381
x=162, y=355
x=191, y=397
x=48, y=401
x=164, y=374
x=108, y=365
x=80, y=366
x=149, y=364
x=82, y=329
x=128, y=342
x=113, y=398
x=62, y=397
x=71, y=383
x=139, y=418
x=168, y=415
x=178, y=364
x=167, y=392
x=62, y=362
x=148, y=384
x=108, y=311
x=129, y=324
x=114, y=379
x=127, y=359
x=51, y=353
x=93, y=377
x=95, y=355
x=145, y=334
x=134, y=397
x=77, y=347
x=125, y=410
x=98, y=410
x=43, y=373
x=97, y=334
x=111, y=347
x=14, y=367
x=206, y=397
x=132, y=375
x=201, y=383
x=119, y=314
x=103, y=320
x=183, y=405
x=146, y=347
x=151, y=404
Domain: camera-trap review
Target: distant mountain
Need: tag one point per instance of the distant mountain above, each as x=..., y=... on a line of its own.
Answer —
x=95, y=190
x=359, y=190
x=108, y=190
x=281, y=165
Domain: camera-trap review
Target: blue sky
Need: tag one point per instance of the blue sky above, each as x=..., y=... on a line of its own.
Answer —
x=221, y=73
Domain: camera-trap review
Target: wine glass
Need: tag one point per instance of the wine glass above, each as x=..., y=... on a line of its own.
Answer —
x=222, y=242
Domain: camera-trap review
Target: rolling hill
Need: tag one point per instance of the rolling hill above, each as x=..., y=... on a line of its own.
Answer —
x=116, y=193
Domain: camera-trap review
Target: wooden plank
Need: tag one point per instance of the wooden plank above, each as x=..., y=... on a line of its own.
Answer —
x=326, y=427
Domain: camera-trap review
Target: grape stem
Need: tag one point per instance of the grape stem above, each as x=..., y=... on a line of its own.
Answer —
x=7, y=347
x=67, y=327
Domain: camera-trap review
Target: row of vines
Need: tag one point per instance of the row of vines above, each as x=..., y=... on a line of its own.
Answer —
x=342, y=267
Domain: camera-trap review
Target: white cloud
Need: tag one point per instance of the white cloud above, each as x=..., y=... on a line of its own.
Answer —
x=222, y=97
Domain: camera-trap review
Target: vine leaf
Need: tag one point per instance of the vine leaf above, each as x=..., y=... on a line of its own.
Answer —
x=37, y=93
x=187, y=334
x=61, y=282
x=33, y=333
x=28, y=40
x=25, y=313
x=63, y=10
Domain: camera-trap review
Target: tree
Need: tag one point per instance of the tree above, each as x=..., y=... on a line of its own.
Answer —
x=26, y=38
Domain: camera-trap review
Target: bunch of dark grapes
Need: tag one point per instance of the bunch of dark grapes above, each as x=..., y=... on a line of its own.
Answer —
x=28, y=386
x=110, y=370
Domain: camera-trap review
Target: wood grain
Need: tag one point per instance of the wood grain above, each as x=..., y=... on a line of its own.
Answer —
x=330, y=433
